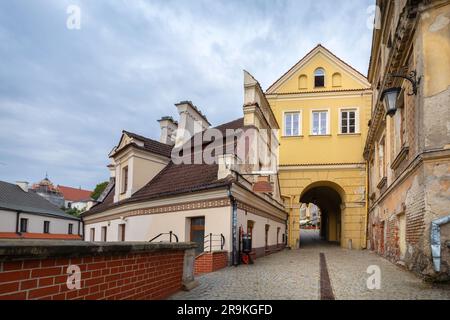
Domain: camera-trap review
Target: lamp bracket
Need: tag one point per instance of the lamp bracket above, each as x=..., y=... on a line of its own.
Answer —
x=411, y=77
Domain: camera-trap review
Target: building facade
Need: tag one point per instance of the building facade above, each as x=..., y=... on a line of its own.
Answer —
x=26, y=215
x=323, y=106
x=150, y=193
x=76, y=198
x=408, y=150
x=46, y=189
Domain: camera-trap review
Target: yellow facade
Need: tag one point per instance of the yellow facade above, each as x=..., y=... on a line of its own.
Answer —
x=321, y=157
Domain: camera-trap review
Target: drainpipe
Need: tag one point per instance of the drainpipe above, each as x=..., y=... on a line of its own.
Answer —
x=17, y=221
x=234, y=255
x=366, y=222
x=436, y=241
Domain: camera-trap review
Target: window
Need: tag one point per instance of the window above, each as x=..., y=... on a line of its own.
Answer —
x=267, y=237
x=92, y=234
x=319, y=78
x=70, y=228
x=292, y=124
x=46, y=226
x=104, y=230
x=348, y=121
x=319, y=123
x=124, y=179
x=250, y=225
x=381, y=159
x=122, y=232
x=278, y=234
x=23, y=225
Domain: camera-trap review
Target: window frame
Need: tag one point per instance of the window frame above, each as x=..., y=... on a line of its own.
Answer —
x=46, y=226
x=357, y=120
x=70, y=228
x=125, y=177
x=121, y=232
x=92, y=235
x=23, y=222
x=328, y=123
x=104, y=233
x=300, y=120
x=315, y=76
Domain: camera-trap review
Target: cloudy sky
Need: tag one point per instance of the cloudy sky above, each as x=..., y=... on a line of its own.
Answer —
x=66, y=95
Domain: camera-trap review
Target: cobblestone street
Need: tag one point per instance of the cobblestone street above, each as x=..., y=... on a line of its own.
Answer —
x=295, y=274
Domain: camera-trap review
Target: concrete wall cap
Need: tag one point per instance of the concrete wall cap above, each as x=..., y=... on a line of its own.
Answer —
x=11, y=250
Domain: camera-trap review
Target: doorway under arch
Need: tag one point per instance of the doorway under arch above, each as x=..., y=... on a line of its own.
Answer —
x=328, y=197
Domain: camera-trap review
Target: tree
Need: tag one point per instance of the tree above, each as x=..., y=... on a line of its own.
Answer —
x=98, y=190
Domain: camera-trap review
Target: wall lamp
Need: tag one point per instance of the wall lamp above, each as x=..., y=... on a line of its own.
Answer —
x=390, y=95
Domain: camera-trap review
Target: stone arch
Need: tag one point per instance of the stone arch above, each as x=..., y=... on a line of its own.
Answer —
x=330, y=198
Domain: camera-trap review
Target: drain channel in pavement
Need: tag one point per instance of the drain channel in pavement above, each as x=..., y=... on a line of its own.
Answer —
x=326, y=291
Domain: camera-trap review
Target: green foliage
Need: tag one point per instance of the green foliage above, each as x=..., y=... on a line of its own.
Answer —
x=98, y=190
x=74, y=212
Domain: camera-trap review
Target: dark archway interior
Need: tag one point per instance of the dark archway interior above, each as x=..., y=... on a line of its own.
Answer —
x=329, y=202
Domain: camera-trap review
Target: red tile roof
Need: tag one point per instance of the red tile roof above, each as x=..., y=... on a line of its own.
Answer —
x=174, y=179
x=75, y=194
x=151, y=145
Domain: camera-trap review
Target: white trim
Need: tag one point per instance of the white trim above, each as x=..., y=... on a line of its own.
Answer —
x=328, y=111
x=357, y=120
x=300, y=122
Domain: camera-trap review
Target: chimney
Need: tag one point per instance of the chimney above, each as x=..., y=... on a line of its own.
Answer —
x=191, y=120
x=23, y=185
x=168, y=130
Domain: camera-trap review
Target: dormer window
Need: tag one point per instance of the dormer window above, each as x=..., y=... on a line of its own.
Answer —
x=124, y=179
x=319, y=78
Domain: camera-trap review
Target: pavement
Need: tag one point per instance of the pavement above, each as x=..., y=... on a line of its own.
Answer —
x=295, y=275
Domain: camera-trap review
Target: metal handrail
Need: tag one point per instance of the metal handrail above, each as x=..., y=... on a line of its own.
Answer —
x=170, y=233
x=210, y=241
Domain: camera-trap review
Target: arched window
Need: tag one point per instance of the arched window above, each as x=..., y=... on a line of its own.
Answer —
x=319, y=78
x=303, y=82
x=337, y=80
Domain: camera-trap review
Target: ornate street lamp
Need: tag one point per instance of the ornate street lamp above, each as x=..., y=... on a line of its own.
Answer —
x=390, y=100
x=390, y=95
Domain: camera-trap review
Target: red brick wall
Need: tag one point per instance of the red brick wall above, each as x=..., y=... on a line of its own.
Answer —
x=152, y=275
x=211, y=261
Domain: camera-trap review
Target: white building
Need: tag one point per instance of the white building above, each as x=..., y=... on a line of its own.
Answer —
x=149, y=194
x=26, y=215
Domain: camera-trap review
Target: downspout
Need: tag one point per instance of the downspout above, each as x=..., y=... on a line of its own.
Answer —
x=17, y=221
x=234, y=255
x=366, y=222
x=436, y=241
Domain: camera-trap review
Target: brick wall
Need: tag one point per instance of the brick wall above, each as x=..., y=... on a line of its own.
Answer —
x=211, y=261
x=155, y=274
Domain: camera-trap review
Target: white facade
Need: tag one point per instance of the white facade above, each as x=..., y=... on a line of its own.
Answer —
x=8, y=221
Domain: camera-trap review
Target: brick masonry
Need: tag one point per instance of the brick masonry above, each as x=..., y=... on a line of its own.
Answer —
x=134, y=276
x=211, y=261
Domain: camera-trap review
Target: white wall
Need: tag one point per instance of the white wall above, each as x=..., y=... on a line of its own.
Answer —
x=8, y=221
x=36, y=223
x=144, y=228
x=217, y=221
x=259, y=229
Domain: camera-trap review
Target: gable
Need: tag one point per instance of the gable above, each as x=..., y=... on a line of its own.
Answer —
x=338, y=75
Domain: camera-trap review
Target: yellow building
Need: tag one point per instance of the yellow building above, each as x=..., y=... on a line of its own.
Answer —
x=323, y=106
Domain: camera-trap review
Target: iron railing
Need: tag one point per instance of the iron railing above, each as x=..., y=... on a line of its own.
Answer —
x=211, y=242
x=170, y=233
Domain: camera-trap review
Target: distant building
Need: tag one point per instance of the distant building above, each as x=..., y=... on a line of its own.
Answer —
x=26, y=215
x=76, y=198
x=47, y=190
